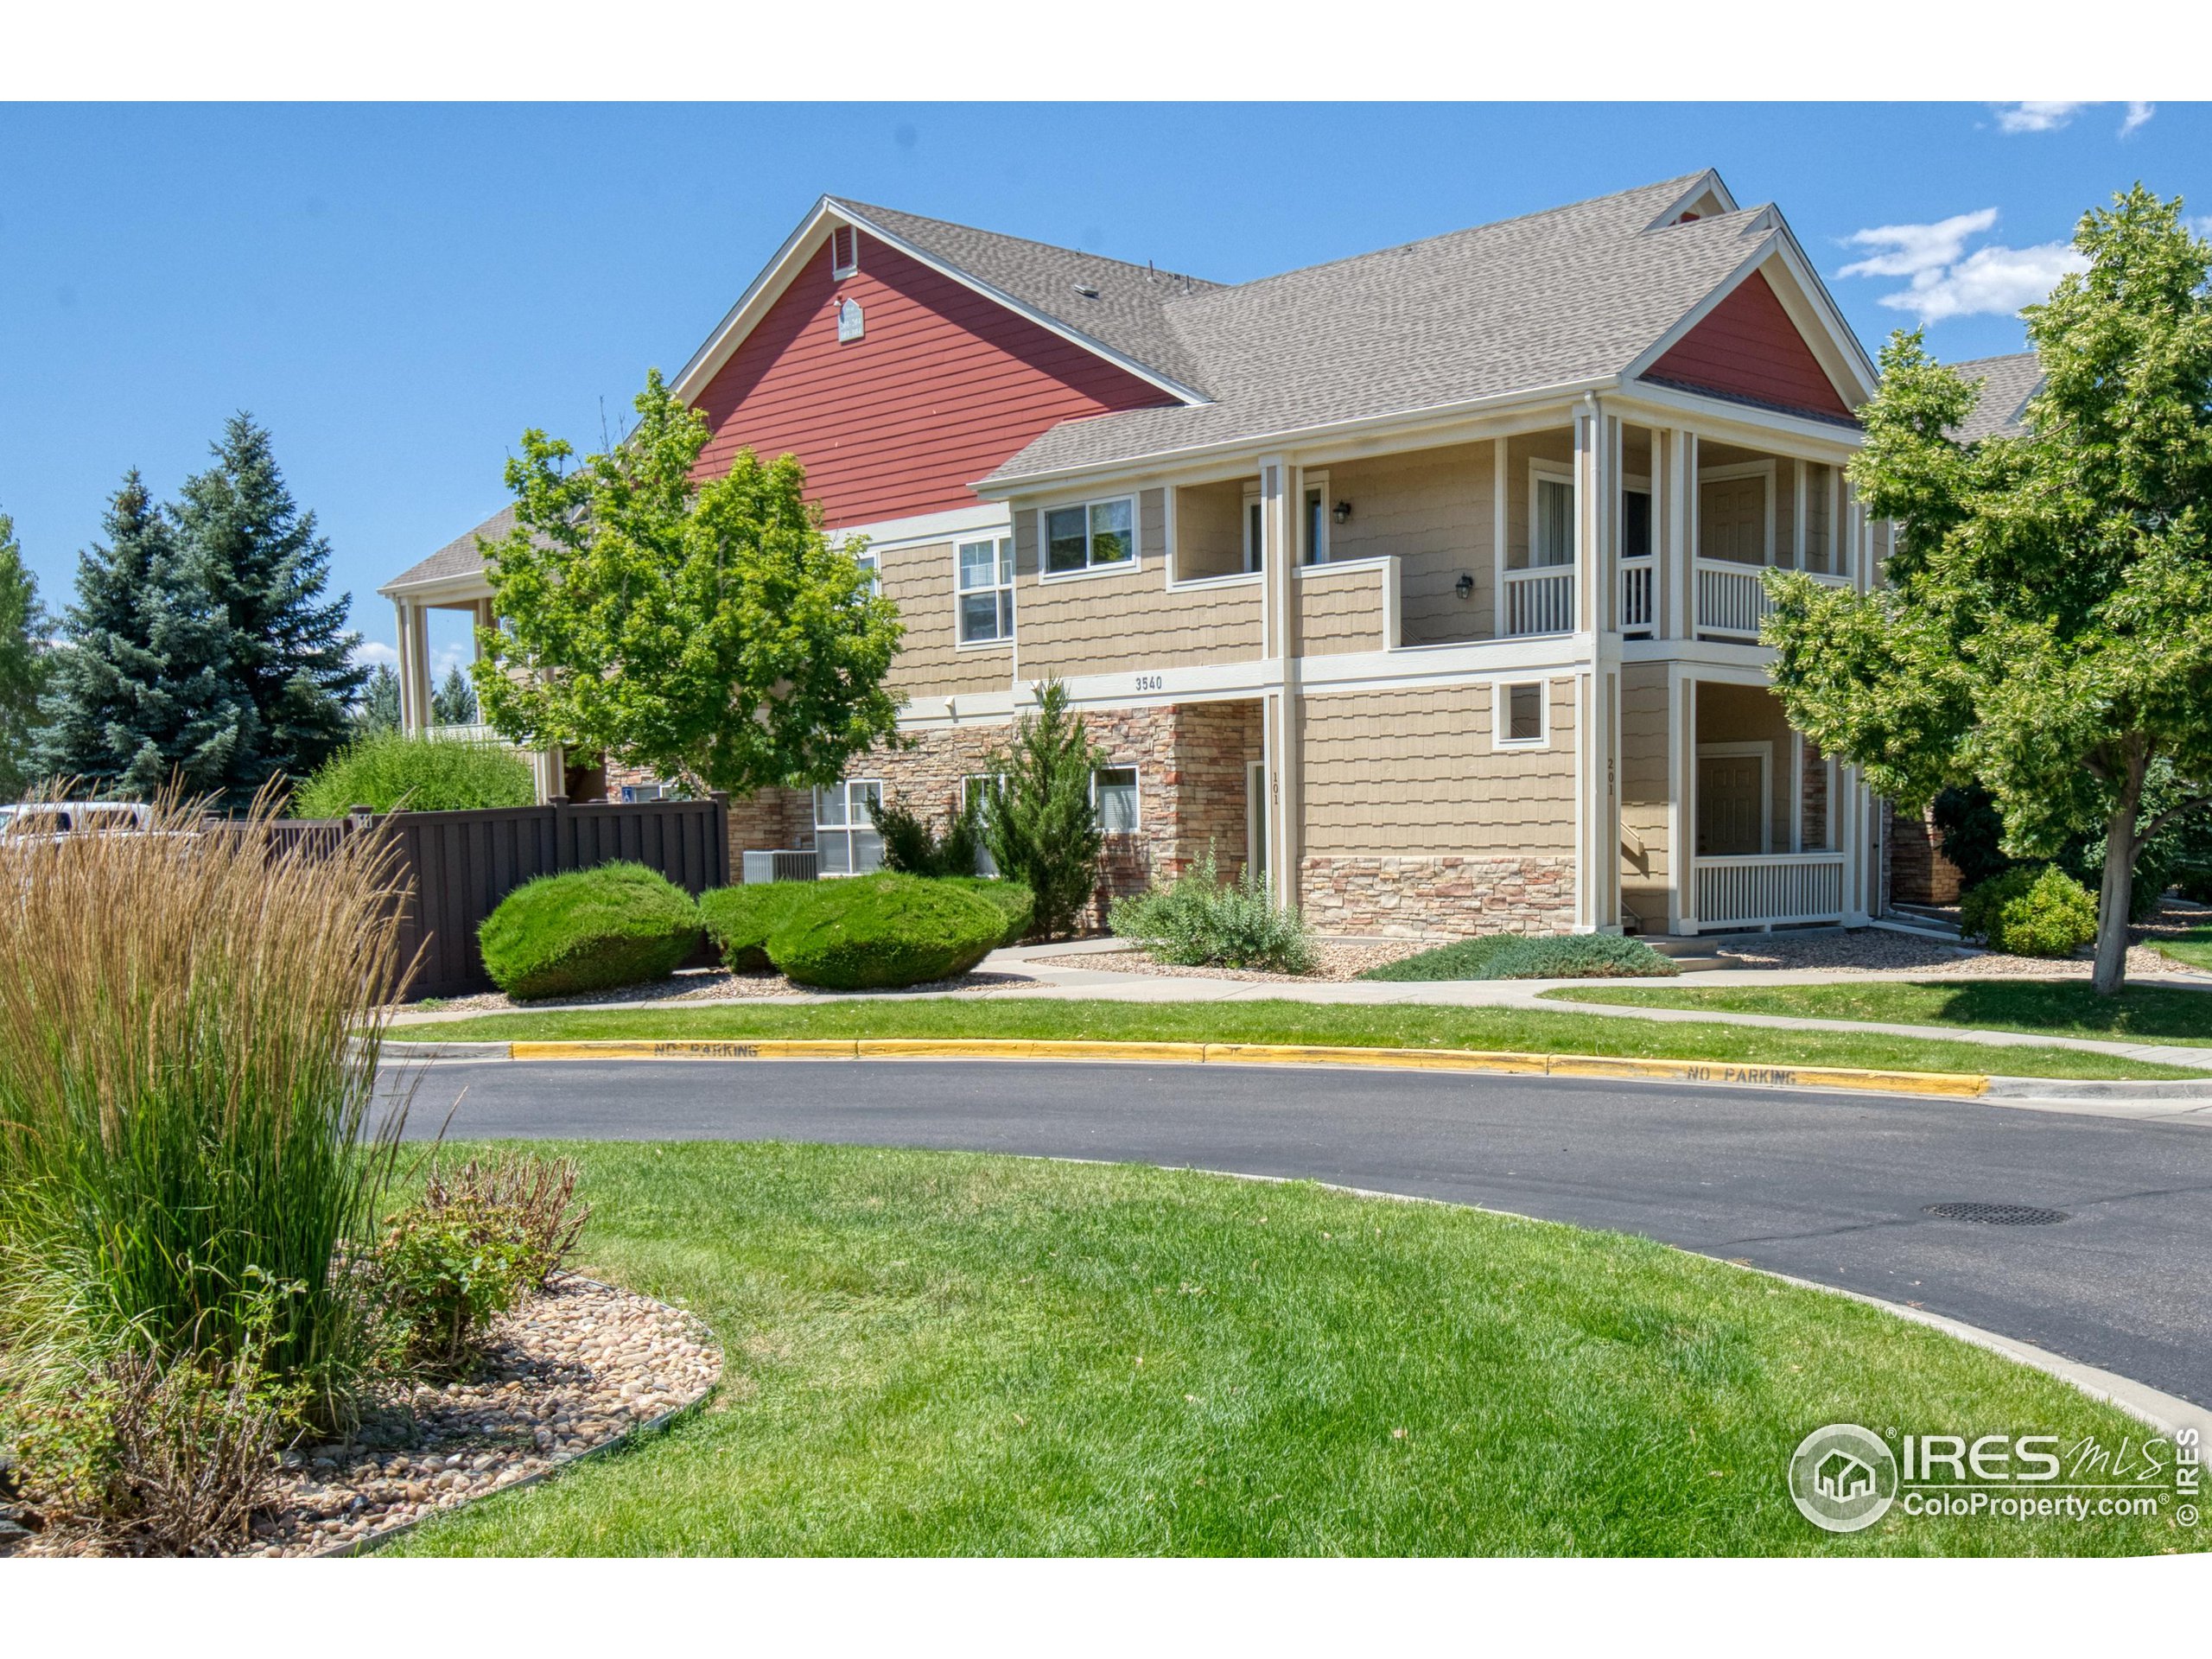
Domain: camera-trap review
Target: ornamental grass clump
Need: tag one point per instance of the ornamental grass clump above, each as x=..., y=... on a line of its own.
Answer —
x=391, y=771
x=192, y=1154
x=1198, y=920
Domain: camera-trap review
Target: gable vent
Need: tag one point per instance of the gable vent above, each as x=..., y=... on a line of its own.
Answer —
x=844, y=251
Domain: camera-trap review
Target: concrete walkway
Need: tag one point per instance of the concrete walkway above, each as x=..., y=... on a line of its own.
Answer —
x=1061, y=974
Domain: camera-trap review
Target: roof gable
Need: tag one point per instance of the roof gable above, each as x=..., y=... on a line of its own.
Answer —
x=2003, y=386
x=1747, y=346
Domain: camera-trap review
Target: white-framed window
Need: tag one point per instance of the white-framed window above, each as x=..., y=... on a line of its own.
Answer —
x=1518, y=714
x=972, y=788
x=844, y=251
x=1090, y=535
x=1551, y=515
x=1114, y=795
x=983, y=583
x=1314, y=520
x=868, y=561
x=1256, y=531
x=845, y=839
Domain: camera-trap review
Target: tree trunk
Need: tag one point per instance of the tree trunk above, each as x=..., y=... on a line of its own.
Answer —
x=2117, y=893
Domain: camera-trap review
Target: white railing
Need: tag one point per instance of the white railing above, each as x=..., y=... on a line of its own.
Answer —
x=1731, y=598
x=476, y=733
x=1636, y=609
x=1539, y=600
x=1770, y=889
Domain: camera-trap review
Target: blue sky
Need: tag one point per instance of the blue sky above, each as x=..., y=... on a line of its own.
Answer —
x=397, y=290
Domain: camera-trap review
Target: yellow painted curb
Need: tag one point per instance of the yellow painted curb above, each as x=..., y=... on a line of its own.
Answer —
x=843, y=1048
x=1426, y=1059
x=1727, y=1073
x=1023, y=1048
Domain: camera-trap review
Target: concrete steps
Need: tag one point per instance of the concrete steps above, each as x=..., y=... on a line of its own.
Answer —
x=1691, y=955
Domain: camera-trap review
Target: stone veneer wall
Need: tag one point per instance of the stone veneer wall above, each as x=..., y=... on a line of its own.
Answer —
x=1447, y=896
x=1919, y=874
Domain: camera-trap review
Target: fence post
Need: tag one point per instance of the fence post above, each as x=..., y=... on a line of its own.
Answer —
x=718, y=841
x=564, y=847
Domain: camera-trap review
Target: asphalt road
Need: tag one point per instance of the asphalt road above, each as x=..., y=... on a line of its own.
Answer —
x=1827, y=1188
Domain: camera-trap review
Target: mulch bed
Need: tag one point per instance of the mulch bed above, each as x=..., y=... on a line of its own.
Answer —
x=576, y=1368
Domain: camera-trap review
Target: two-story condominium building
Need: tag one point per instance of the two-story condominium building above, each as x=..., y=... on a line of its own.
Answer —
x=1428, y=582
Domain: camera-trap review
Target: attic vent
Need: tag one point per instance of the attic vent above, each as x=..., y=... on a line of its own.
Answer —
x=1086, y=290
x=844, y=251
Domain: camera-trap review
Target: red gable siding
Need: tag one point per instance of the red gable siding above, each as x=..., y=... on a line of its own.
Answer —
x=942, y=387
x=1747, y=346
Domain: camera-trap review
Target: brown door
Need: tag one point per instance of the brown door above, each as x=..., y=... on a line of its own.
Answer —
x=1730, y=804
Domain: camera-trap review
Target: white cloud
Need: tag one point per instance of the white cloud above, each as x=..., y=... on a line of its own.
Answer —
x=1909, y=250
x=1944, y=280
x=2049, y=115
x=374, y=653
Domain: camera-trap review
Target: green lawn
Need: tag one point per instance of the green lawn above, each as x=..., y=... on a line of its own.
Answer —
x=2193, y=947
x=933, y=1353
x=2045, y=1008
x=1387, y=1026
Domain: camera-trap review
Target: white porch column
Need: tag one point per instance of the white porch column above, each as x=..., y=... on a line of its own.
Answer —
x=1682, y=749
x=1681, y=531
x=1597, y=851
x=1279, y=721
x=416, y=677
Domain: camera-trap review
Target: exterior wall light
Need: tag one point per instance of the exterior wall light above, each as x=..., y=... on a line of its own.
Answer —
x=1465, y=586
x=1342, y=513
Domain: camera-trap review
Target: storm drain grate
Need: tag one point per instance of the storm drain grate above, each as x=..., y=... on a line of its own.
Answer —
x=1998, y=1215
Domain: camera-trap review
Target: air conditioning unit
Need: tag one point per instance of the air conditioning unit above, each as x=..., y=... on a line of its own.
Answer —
x=781, y=866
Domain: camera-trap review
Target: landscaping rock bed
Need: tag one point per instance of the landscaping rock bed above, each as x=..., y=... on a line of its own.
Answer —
x=573, y=1370
x=1334, y=959
x=1878, y=950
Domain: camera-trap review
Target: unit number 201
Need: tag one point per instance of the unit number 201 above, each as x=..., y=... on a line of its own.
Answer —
x=1152, y=682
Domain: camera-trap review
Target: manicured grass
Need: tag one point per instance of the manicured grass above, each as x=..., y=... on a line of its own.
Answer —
x=2193, y=947
x=2144, y=1013
x=947, y=1354
x=1385, y=1025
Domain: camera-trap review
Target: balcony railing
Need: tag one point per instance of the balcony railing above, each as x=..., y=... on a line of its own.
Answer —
x=1636, y=610
x=1770, y=889
x=1731, y=599
x=1539, y=600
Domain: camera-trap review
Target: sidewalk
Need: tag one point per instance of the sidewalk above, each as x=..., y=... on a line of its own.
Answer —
x=1058, y=970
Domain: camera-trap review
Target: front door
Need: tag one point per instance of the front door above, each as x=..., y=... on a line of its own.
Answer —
x=1731, y=520
x=1730, y=804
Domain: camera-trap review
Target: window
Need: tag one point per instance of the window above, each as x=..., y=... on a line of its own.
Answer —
x=985, y=578
x=844, y=251
x=1113, y=793
x=1314, y=545
x=973, y=788
x=1636, y=524
x=1551, y=531
x=1255, y=533
x=867, y=561
x=1518, y=713
x=1090, y=537
x=845, y=841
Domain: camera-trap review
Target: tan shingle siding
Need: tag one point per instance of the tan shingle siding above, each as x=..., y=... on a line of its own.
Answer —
x=920, y=579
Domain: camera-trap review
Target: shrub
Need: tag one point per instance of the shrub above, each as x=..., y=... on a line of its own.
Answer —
x=911, y=846
x=1039, y=820
x=189, y=1029
x=591, y=930
x=446, y=1270
x=740, y=919
x=1514, y=956
x=1198, y=921
x=1972, y=833
x=880, y=930
x=540, y=1193
x=1014, y=901
x=2036, y=910
x=389, y=770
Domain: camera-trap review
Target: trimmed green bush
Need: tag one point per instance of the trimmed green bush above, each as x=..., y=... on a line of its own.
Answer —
x=588, y=930
x=1014, y=899
x=740, y=919
x=2036, y=910
x=1513, y=956
x=1198, y=920
x=426, y=774
x=874, y=932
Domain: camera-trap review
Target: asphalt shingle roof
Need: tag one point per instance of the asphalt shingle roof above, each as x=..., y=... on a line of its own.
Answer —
x=458, y=557
x=2007, y=383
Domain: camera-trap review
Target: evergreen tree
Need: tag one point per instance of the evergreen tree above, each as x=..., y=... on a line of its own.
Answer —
x=261, y=560
x=22, y=662
x=139, y=689
x=378, y=711
x=454, y=703
x=1038, y=819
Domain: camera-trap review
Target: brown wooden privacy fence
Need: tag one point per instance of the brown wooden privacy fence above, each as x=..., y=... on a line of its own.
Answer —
x=457, y=866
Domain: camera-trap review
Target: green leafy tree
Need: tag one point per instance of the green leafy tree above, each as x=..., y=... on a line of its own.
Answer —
x=2046, y=626
x=260, y=561
x=454, y=703
x=22, y=662
x=699, y=628
x=1040, y=822
x=377, y=708
x=139, y=689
